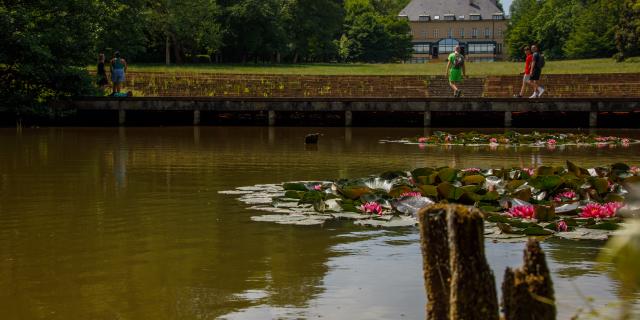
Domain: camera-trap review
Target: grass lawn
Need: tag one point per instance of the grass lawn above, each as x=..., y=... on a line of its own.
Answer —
x=432, y=68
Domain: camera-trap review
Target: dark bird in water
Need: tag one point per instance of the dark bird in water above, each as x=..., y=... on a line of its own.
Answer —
x=311, y=138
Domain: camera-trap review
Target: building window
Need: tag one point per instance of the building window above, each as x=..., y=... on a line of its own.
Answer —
x=423, y=18
x=447, y=45
x=421, y=48
x=450, y=33
x=499, y=32
x=498, y=16
x=475, y=17
x=487, y=33
x=424, y=34
x=435, y=33
x=474, y=32
x=481, y=48
x=462, y=33
x=449, y=17
x=499, y=48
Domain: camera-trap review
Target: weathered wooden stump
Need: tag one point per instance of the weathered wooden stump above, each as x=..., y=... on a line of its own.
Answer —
x=435, y=258
x=527, y=292
x=473, y=290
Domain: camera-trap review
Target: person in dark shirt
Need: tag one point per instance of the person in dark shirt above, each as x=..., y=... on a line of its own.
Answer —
x=536, y=71
x=101, y=74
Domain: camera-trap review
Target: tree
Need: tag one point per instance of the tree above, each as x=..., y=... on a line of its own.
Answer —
x=628, y=28
x=521, y=31
x=190, y=27
x=311, y=26
x=253, y=29
x=594, y=32
x=373, y=37
x=42, y=59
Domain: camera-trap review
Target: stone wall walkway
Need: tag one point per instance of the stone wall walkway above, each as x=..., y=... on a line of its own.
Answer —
x=240, y=85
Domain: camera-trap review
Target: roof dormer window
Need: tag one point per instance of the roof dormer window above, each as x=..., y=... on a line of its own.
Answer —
x=403, y=16
x=475, y=16
x=424, y=17
x=449, y=17
x=498, y=16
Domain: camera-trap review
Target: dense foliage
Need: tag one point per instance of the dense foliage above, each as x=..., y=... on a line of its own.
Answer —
x=47, y=44
x=575, y=28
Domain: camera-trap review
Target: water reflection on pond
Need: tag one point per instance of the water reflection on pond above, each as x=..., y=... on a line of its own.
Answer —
x=110, y=223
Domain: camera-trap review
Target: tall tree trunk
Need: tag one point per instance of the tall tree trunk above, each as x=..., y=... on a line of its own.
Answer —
x=167, y=51
x=177, y=49
x=435, y=260
x=473, y=289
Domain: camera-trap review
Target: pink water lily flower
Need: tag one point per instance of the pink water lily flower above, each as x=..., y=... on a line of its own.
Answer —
x=524, y=212
x=422, y=140
x=471, y=170
x=530, y=171
x=552, y=141
x=634, y=170
x=371, y=208
x=493, y=140
x=562, y=226
x=600, y=211
x=411, y=194
x=317, y=187
x=567, y=195
x=625, y=142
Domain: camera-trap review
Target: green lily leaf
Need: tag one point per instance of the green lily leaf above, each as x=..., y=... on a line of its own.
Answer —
x=548, y=182
x=448, y=191
x=537, y=231
x=448, y=174
x=474, y=179
x=422, y=172
x=604, y=226
x=296, y=186
x=294, y=194
x=429, y=191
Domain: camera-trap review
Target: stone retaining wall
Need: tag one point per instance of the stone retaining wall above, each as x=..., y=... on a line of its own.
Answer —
x=238, y=85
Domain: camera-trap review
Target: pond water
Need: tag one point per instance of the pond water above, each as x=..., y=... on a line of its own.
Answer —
x=127, y=223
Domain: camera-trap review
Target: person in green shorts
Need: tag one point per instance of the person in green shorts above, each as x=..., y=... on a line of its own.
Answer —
x=456, y=70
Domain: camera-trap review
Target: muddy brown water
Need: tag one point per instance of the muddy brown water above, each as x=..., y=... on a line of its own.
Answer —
x=127, y=223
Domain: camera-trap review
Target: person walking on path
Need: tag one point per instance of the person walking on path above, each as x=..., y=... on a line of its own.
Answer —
x=536, y=71
x=101, y=74
x=527, y=72
x=456, y=70
x=118, y=70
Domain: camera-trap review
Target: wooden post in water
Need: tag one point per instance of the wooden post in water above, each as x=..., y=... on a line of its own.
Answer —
x=473, y=289
x=435, y=259
x=527, y=292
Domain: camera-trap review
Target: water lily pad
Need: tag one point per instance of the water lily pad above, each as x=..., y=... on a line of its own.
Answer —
x=600, y=184
x=447, y=174
x=545, y=213
x=473, y=179
x=546, y=182
x=235, y=192
x=606, y=225
x=296, y=186
x=429, y=191
x=448, y=191
x=354, y=192
x=411, y=205
x=422, y=172
x=537, y=231
x=397, y=191
x=396, y=222
x=292, y=194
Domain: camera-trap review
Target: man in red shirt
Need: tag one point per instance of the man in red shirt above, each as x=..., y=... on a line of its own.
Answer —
x=527, y=72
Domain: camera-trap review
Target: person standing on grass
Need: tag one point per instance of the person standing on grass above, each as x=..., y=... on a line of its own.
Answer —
x=118, y=70
x=456, y=70
x=527, y=72
x=101, y=74
x=536, y=71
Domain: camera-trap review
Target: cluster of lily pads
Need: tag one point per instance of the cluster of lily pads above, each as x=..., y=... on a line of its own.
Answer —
x=569, y=201
x=512, y=138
